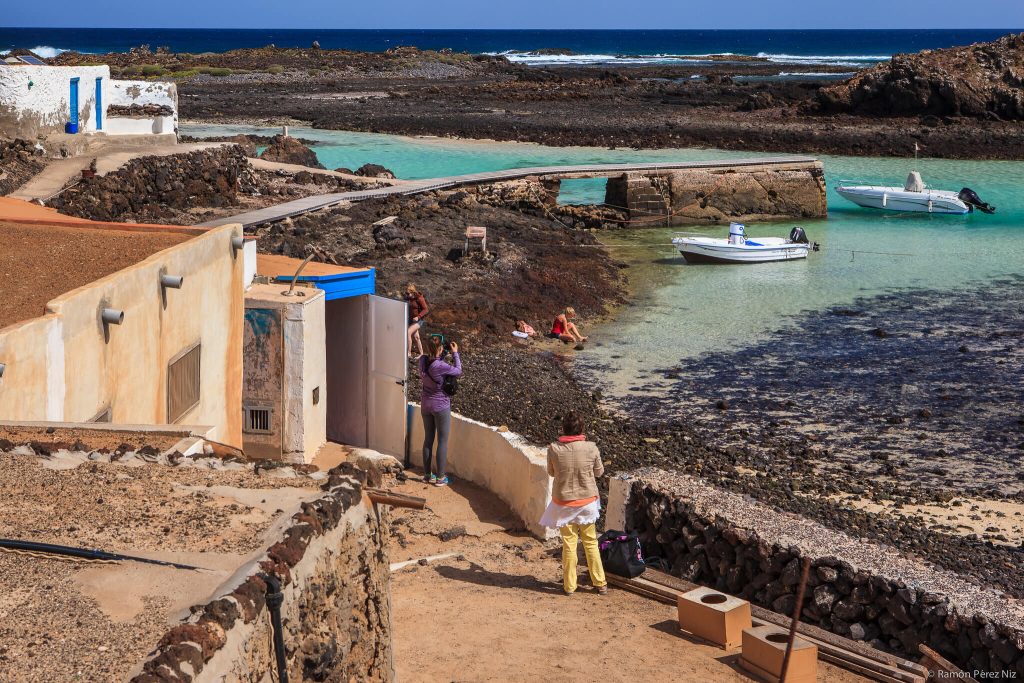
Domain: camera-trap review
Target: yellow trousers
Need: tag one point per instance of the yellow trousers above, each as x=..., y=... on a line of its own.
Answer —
x=588, y=533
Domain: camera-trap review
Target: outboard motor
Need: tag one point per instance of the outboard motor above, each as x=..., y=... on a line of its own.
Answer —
x=798, y=236
x=972, y=200
x=737, y=234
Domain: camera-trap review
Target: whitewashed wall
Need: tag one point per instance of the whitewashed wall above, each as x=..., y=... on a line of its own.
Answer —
x=46, y=106
x=127, y=93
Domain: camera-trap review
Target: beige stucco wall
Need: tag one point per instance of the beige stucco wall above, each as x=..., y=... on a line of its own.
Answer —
x=502, y=462
x=60, y=367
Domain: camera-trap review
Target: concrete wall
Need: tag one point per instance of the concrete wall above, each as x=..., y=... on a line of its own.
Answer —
x=143, y=125
x=333, y=564
x=64, y=366
x=45, y=107
x=504, y=463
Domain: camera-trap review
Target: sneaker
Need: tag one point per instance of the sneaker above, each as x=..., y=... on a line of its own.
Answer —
x=443, y=481
x=432, y=479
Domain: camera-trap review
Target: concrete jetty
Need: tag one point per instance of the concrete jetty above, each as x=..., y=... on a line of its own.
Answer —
x=763, y=188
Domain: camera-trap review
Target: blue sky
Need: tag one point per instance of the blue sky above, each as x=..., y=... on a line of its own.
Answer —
x=553, y=14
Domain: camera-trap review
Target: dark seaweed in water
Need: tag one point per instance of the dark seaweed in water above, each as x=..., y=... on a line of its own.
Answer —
x=916, y=386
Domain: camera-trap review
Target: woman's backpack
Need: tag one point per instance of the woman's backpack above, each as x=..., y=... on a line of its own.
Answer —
x=449, y=384
x=621, y=554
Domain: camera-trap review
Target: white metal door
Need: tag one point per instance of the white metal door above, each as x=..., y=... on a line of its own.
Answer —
x=388, y=368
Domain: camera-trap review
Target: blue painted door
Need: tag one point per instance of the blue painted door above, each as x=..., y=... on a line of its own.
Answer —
x=99, y=104
x=74, y=102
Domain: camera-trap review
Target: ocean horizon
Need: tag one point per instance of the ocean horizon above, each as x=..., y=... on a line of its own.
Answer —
x=846, y=47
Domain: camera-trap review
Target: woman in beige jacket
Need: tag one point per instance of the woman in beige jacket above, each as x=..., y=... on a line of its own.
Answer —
x=575, y=506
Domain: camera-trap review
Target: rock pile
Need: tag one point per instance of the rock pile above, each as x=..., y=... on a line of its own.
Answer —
x=889, y=601
x=154, y=189
x=140, y=110
x=288, y=150
x=19, y=161
x=985, y=80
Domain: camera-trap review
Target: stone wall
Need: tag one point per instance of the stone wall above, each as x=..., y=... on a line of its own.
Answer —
x=333, y=565
x=713, y=196
x=857, y=589
x=154, y=189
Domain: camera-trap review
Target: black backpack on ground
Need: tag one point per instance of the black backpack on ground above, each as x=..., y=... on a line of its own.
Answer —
x=621, y=554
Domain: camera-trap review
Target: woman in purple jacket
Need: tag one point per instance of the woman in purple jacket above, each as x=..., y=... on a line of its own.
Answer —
x=436, y=406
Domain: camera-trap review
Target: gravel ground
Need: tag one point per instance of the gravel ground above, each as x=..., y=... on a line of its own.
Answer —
x=82, y=621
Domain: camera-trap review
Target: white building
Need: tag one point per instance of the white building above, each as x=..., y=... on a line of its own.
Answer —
x=39, y=100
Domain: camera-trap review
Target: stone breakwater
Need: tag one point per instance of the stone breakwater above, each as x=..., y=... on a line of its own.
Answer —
x=689, y=196
x=865, y=591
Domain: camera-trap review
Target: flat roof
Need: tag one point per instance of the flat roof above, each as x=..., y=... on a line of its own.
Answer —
x=40, y=261
x=338, y=282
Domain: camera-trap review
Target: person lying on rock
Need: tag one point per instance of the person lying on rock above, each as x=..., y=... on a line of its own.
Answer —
x=436, y=405
x=418, y=310
x=563, y=328
x=575, y=505
x=525, y=328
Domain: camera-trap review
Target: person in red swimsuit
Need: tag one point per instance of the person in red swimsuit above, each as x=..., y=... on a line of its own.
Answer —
x=418, y=310
x=563, y=328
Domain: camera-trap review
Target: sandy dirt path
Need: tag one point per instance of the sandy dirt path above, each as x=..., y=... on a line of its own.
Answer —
x=496, y=612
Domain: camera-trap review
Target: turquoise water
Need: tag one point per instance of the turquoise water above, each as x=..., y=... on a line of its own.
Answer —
x=681, y=311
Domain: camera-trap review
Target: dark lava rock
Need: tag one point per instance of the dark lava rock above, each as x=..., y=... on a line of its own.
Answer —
x=288, y=150
x=374, y=171
x=984, y=80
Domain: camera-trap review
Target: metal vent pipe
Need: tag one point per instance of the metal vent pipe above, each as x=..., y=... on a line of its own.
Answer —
x=112, y=316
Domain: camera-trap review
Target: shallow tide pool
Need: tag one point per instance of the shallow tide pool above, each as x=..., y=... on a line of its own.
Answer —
x=681, y=311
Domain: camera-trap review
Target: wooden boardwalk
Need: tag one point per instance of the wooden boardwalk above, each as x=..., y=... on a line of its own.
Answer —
x=278, y=212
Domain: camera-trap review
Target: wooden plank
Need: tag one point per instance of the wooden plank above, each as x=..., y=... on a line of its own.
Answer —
x=935, y=662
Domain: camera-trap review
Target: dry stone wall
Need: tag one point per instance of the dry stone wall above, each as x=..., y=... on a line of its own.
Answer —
x=333, y=564
x=863, y=591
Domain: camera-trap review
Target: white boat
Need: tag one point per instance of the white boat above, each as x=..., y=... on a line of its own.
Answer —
x=738, y=248
x=914, y=196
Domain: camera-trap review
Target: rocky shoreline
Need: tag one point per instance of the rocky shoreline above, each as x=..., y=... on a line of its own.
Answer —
x=742, y=104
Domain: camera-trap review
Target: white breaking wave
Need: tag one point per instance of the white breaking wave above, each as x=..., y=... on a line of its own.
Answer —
x=825, y=74
x=44, y=51
x=838, y=60
x=534, y=59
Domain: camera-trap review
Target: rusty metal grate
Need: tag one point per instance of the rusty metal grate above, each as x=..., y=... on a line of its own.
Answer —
x=183, y=381
x=257, y=420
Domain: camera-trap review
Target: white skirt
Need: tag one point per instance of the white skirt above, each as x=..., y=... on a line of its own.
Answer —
x=556, y=516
